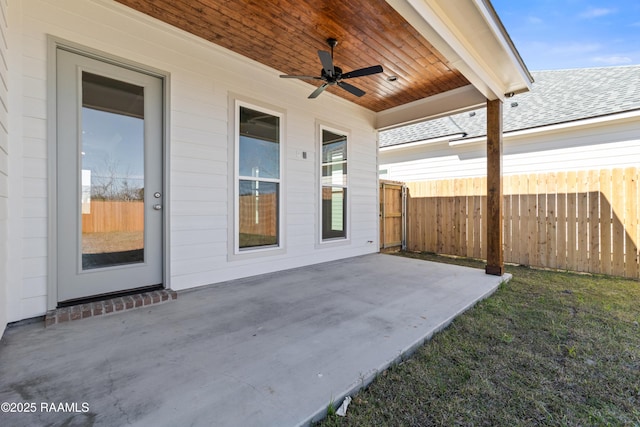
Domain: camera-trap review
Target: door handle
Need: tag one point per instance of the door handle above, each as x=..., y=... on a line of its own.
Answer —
x=157, y=207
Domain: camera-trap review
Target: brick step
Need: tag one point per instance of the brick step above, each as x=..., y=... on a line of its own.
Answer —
x=109, y=306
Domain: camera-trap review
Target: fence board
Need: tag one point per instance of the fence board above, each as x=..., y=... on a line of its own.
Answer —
x=515, y=218
x=422, y=226
x=542, y=220
x=532, y=220
x=561, y=220
x=541, y=242
x=446, y=232
x=414, y=226
x=430, y=233
x=508, y=219
x=433, y=212
x=461, y=211
x=605, y=225
x=617, y=204
x=482, y=232
x=456, y=203
x=522, y=241
x=572, y=219
x=440, y=217
x=477, y=218
x=631, y=222
x=581, y=221
x=550, y=239
x=594, y=221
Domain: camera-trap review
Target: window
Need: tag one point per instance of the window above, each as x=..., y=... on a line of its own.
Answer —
x=258, y=179
x=334, y=185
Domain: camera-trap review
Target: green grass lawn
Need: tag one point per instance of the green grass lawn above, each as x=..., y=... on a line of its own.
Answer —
x=547, y=349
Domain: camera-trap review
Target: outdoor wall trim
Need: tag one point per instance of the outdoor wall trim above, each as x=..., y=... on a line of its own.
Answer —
x=446, y=138
x=443, y=104
x=586, y=123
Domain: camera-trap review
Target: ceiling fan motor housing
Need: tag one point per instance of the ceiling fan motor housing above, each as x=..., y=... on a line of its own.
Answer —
x=337, y=74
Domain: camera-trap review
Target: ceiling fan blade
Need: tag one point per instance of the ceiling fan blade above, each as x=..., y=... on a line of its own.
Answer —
x=351, y=89
x=327, y=62
x=318, y=91
x=287, y=76
x=375, y=69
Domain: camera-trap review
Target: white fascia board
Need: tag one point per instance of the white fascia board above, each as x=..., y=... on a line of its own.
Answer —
x=586, y=123
x=468, y=35
x=421, y=143
x=520, y=72
x=443, y=104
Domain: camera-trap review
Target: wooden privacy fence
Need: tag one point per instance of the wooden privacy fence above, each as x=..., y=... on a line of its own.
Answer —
x=580, y=221
x=104, y=216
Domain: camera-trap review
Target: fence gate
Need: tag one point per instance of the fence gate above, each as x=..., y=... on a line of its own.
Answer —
x=392, y=214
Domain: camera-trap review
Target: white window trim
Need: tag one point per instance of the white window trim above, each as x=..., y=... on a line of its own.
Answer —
x=334, y=241
x=235, y=252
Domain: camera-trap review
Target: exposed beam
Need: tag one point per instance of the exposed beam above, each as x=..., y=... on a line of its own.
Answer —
x=443, y=104
x=495, y=252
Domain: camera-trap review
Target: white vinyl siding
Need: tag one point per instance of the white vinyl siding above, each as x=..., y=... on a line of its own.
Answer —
x=4, y=164
x=200, y=204
x=609, y=145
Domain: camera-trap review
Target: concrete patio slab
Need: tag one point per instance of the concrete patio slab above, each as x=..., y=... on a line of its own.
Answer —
x=271, y=350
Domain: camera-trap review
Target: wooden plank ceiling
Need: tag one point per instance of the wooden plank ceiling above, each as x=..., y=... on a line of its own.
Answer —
x=286, y=35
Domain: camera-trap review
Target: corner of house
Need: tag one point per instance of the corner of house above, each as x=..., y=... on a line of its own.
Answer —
x=4, y=175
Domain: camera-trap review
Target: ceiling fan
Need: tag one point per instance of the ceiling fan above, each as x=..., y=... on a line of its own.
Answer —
x=333, y=75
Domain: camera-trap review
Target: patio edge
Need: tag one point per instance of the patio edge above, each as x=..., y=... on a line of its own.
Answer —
x=368, y=377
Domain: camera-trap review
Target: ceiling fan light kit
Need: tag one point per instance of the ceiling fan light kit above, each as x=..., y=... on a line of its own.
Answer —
x=333, y=75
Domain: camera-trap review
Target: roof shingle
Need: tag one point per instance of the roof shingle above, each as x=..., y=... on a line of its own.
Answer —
x=557, y=96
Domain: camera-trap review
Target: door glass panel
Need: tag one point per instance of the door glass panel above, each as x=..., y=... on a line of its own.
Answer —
x=112, y=175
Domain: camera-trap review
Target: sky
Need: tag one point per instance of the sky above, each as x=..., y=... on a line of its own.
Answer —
x=562, y=34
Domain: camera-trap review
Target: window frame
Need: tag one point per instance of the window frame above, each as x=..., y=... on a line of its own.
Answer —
x=235, y=238
x=322, y=242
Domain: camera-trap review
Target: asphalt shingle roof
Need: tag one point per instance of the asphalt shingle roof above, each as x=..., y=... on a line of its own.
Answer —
x=557, y=96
